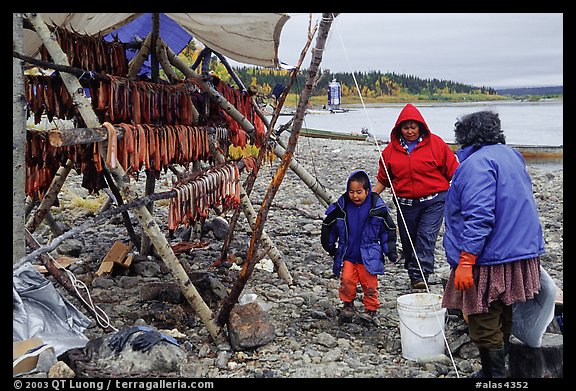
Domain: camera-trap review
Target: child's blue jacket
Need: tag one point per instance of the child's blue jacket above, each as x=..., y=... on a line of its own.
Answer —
x=378, y=236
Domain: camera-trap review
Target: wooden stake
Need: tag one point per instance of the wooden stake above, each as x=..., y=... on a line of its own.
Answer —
x=248, y=267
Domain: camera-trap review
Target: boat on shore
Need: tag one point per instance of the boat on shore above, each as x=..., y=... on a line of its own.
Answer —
x=269, y=110
x=327, y=111
x=319, y=133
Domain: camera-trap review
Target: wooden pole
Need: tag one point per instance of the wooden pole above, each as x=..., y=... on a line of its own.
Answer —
x=50, y=196
x=155, y=69
x=299, y=170
x=79, y=73
x=146, y=245
x=140, y=57
x=232, y=298
x=122, y=179
x=165, y=64
x=74, y=136
x=235, y=77
x=18, y=144
x=249, y=183
x=268, y=246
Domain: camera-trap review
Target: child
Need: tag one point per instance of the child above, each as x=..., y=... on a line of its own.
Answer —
x=357, y=231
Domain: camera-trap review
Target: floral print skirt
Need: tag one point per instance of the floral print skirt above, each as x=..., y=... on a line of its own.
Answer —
x=508, y=282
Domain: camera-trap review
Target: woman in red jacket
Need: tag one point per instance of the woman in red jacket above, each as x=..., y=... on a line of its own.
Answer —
x=419, y=165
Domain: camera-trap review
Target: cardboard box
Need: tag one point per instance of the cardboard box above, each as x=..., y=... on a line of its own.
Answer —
x=116, y=256
x=20, y=348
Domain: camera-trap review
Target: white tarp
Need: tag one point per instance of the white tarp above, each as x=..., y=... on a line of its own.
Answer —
x=251, y=38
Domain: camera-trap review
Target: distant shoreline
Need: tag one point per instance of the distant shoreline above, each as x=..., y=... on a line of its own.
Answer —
x=423, y=103
x=458, y=103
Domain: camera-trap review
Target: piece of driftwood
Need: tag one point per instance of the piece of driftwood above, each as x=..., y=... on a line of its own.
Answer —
x=51, y=222
x=547, y=361
x=167, y=68
x=75, y=136
x=155, y=34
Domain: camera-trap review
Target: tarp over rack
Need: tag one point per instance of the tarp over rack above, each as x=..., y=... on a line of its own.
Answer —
x=250, y=38
x=171, y=33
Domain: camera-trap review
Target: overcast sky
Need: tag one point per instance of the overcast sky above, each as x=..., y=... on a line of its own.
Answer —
x=482, y=49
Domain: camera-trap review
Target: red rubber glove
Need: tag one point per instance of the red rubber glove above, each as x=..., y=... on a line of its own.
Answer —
x=463, y=277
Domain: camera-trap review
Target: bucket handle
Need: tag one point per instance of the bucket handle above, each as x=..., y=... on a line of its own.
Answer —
x=421, y=336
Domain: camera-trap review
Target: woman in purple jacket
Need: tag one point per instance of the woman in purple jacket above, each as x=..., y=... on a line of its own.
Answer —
x=493, y=238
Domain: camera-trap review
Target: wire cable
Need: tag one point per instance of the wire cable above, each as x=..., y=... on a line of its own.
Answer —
x=392, y=188
x=101, y=316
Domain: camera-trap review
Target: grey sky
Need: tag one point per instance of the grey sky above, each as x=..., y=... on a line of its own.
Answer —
x=493, y=50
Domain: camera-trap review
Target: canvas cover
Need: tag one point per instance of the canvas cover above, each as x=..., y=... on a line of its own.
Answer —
x=251, y=38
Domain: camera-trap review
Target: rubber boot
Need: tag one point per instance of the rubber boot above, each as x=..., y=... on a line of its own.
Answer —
x=506, y=342
x=347, y=312
x=493, y=363
x=506, y=347
x=370, y=317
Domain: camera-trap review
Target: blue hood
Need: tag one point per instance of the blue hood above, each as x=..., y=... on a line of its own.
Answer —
x=367, y=178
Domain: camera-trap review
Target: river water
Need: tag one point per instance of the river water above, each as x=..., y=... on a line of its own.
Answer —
x=523, y=123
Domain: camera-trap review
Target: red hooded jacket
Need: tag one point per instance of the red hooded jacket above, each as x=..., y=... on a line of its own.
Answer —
x=427, y=170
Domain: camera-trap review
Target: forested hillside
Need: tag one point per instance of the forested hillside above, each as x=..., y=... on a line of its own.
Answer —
x=371, y=84
x=530, y=91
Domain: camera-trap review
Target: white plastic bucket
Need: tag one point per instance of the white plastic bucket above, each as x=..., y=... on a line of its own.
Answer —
x=421, y=325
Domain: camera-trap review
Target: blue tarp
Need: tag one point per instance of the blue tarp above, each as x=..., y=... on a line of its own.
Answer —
x=171, y=33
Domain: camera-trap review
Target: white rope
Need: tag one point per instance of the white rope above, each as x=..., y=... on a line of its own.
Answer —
x=393, y=191
x=101, y=316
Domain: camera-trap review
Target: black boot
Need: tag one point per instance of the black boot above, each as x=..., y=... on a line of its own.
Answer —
x=506, y=347
x=347, y=312
x=493, y=364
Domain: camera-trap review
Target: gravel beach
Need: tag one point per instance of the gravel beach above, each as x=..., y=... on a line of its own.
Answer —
x=310, y=341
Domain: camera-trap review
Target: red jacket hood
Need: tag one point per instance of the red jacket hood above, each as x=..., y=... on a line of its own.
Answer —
x=410, y=112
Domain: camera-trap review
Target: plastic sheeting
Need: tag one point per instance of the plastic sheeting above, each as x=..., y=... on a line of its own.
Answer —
x=250, y=38
x=40, y=311
x=171, y=33
x=531, y=318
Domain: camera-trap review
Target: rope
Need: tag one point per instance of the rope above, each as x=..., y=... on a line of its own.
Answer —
x=101, y=316
x=392, y=187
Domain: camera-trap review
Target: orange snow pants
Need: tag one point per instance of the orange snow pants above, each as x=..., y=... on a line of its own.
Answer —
x=354, y=273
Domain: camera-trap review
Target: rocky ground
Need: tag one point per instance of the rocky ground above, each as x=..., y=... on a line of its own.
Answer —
x=310, y=340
